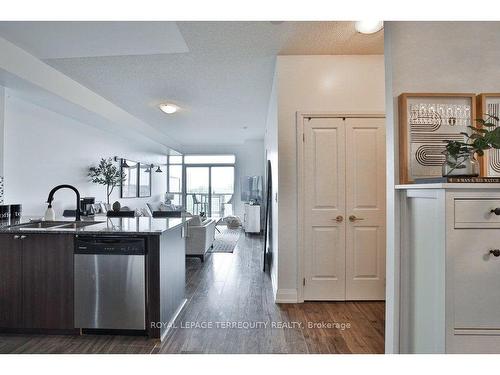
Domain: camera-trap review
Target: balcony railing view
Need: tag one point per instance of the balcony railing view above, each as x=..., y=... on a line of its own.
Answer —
x=221, y=204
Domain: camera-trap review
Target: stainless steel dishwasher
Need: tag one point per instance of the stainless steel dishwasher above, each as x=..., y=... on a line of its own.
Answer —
x=110, y=284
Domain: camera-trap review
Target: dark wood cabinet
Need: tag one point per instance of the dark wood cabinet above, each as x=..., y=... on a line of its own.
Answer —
x=48, y=281
x=10, y=281
x=36, y=279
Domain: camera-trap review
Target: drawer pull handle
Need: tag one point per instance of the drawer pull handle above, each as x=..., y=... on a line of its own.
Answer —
x=495, y=252
x=495, y=211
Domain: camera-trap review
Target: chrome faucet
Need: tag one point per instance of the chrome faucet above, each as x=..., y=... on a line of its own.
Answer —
x=51, y=198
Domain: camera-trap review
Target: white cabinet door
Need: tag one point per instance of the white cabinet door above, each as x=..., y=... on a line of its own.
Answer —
x=252, y=218
x=324, y=209
x=476, y=285
x=365, y=208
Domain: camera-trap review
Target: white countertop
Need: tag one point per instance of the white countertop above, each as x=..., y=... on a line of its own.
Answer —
x=486, y=186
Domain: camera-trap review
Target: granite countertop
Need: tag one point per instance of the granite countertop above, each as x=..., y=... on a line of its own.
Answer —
x=101, y=225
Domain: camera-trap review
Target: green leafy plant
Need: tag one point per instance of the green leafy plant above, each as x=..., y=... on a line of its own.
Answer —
x=106, y=173
x=482, y=137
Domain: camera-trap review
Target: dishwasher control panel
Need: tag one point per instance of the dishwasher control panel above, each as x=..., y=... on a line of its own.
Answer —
x=110, y=245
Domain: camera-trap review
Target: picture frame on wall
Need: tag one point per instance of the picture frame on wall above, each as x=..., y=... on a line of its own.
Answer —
x=426, y=121
x=489, y=103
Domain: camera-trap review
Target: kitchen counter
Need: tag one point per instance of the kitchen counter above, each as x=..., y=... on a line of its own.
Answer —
x=103, y=225
x=38, y=273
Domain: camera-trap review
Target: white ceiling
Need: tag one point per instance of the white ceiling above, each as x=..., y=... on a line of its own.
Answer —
x=52, y=40
x=222, y=83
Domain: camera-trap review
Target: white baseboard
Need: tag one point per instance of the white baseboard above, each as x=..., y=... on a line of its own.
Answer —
x=286, y=296
x=274, y=284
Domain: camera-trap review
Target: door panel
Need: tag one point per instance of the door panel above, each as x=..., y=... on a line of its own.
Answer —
x=365, y=200
x=10, y=281
x=365, y=265
x=324, y=187
x=475, y=279
x=48, y=281
x=326, y=262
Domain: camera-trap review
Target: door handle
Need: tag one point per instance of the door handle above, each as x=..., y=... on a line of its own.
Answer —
x=353, y=218
x=339, y=219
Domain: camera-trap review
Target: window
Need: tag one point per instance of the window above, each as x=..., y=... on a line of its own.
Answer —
x=174, y=179
x=202, y=183
x=209, y=159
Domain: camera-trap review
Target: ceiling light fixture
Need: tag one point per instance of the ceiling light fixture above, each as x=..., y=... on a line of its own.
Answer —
x=158, y=170
x=168, y=108
x=368, y=27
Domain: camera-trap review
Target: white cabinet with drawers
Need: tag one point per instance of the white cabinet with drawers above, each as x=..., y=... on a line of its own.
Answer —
x=450, y=268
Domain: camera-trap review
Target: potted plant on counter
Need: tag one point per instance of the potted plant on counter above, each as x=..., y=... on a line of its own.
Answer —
x=108, y=174
x=461, y=156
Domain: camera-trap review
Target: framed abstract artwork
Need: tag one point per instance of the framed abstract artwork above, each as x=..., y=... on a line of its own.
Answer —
x=489, y=104
x=426, y=121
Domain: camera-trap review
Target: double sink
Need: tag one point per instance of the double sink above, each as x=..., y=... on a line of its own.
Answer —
x=57, y=224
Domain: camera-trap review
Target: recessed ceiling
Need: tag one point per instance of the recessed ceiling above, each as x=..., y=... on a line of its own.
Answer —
x=222, y=84
x=48, y=40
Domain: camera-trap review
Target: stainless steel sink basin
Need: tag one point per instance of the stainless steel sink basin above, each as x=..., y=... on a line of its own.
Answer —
x=42, y=224
x=57, y=224
x=79, y=224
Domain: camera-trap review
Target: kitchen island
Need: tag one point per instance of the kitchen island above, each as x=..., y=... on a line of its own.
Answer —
x=38, y=270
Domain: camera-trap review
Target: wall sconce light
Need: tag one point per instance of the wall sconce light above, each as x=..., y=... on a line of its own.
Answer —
x=122, y=161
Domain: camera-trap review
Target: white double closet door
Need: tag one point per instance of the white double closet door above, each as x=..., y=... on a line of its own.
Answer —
x=344, y=209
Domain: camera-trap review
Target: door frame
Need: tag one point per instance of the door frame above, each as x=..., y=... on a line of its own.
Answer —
x=301, y=116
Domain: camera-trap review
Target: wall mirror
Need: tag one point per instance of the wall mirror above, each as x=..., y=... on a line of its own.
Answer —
x=145, y=180
x=129, y=187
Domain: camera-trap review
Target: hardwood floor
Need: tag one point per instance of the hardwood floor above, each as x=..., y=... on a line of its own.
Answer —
x=227, y=290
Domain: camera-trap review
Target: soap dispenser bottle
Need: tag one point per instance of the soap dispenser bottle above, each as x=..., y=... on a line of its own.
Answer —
x=50, y=214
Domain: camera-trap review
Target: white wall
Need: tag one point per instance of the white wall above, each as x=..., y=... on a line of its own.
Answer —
x=430, y=57
x=271, y=145
x=43, y=149
x=249, y=162
x=315, y=83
